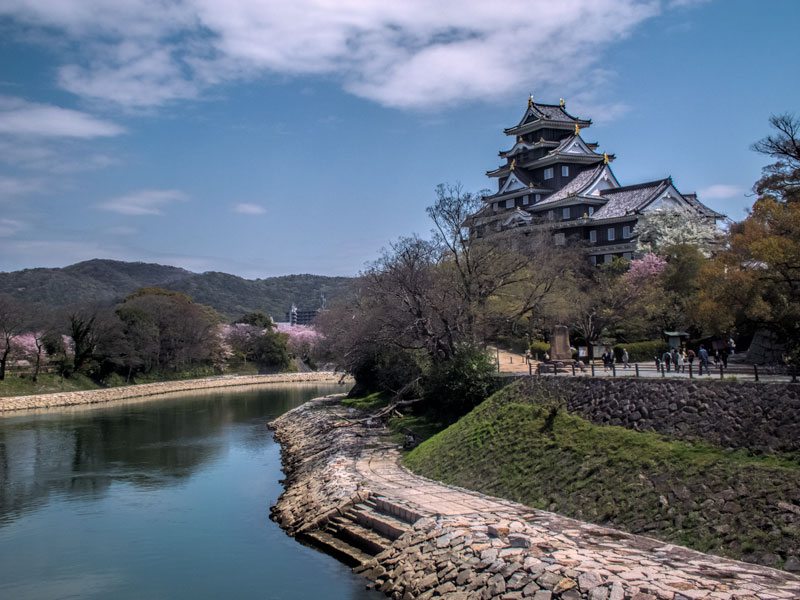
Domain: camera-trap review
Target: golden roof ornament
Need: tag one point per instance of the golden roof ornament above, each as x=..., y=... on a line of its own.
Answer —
x=577, y=129
x=606, y=160
x=562, y=103
x=519, y=139
x=513, y=163
x=530, y=101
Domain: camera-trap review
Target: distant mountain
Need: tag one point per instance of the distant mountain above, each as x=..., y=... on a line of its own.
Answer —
x=109, y=281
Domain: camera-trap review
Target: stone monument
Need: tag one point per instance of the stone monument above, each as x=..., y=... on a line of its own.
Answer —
x=559, y=344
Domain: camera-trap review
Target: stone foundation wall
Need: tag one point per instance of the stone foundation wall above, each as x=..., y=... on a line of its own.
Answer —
x=764, y=417
x=163, y=387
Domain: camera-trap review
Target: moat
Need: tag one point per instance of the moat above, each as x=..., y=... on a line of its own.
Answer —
x=165, y=498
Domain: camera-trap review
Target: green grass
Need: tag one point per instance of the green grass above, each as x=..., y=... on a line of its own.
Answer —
x=373, y=401
x=14, y=385
x=532, y=451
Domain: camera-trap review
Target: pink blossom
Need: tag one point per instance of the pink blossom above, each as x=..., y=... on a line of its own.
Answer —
x=645, y=268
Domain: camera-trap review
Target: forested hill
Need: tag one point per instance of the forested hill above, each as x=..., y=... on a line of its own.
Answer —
x=109, y=281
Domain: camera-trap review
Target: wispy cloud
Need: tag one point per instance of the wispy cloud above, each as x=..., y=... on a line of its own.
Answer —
x=9, y=227
x=720, y=191
x=245, y=208
x=143, y=202
x=410, y=54
x=17, y=186
x=19, y=117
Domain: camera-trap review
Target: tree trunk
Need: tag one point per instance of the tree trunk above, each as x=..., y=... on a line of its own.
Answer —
x=38, y=365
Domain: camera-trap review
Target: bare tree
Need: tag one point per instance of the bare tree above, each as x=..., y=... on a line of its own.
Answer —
x=782, y=178
x=12, y=322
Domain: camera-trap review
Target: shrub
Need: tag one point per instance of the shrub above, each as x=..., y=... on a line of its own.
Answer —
x=641, y=351
x=509, y=342
x=456, y=386
x=539, y=347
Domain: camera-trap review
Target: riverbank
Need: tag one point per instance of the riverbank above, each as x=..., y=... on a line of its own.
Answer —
x=415, y=538
x=75, y=398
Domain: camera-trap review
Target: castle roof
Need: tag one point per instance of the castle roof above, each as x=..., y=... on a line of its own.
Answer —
x=628, y=199
x=544, y=115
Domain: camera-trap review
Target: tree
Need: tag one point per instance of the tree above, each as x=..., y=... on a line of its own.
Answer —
x=483, y=267
x=256, y=319
x=12, y=322
x=661, y=229
x=781, y=179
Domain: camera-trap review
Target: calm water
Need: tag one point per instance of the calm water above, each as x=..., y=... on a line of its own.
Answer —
x=161, y=499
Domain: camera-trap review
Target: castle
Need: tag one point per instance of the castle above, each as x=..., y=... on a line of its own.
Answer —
x=552, y=180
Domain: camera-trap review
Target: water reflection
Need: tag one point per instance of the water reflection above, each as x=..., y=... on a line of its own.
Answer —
x=161, y=499
x=82, y=451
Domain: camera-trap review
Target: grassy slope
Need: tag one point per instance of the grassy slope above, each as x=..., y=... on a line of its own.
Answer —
x=536, y=453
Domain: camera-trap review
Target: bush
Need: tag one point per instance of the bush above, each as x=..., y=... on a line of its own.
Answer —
x=456, y=386
x=384, y=370
x=539, y=347
x=641, y=351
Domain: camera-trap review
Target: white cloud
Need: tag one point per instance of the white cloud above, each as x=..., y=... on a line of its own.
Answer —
x=720, y=191
x=9, y=227
x=143, y=202
x=15, y=186
x=245, y=208
x=410, y=54
x=21, y=118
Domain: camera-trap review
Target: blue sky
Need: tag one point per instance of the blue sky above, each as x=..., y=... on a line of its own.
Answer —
x=265, y=138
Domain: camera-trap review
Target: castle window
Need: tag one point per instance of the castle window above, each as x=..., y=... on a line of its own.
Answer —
x=591, y=210
x=565, y=213
x=548, y=173
x=510, y=203
x=564, y=171
x=612, y=235
x=525, y=200
x=626, y=232
x=593, y=259
x=593, y=236
x=538, y=197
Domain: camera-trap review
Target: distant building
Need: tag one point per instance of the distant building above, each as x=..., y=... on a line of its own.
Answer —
x=555, y=181
x=301, y=317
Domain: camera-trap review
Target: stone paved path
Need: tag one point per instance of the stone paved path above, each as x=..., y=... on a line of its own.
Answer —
x=656, y=569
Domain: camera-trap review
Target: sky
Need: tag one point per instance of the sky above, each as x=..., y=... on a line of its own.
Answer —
x=266, y=137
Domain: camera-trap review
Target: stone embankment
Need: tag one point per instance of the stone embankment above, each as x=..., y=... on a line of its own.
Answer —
x=162, y=387
x=764, y=417
x=414, y=538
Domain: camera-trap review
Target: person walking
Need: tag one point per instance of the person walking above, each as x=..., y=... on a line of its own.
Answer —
x=690, y=357
x=678, y=361
x=625, y=359
x=667, y=360
x=703, y=354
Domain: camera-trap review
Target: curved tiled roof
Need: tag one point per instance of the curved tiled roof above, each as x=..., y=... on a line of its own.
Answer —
x=628, y=199
x=581, y=181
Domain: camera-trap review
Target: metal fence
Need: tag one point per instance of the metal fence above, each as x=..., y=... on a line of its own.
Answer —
x=718, y=371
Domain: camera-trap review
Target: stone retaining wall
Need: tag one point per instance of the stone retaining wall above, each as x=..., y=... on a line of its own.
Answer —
x=763, y=417
x=162, y=387
x=465, y=545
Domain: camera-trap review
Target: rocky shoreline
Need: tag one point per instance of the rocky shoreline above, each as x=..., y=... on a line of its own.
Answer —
x=346, y=493
x=60, y=399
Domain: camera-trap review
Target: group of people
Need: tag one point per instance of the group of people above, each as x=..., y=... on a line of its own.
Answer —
x=679, y=359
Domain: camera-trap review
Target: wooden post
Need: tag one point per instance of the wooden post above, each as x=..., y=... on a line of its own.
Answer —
x=663, y=370
x=636, y=366
x=691, y=376
x=530, y=368
x=613, y=370
x=794, y=373
x=755, y=370
x=573, y=369
x=555, y=369
x=592, y=363
x=720, y=372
